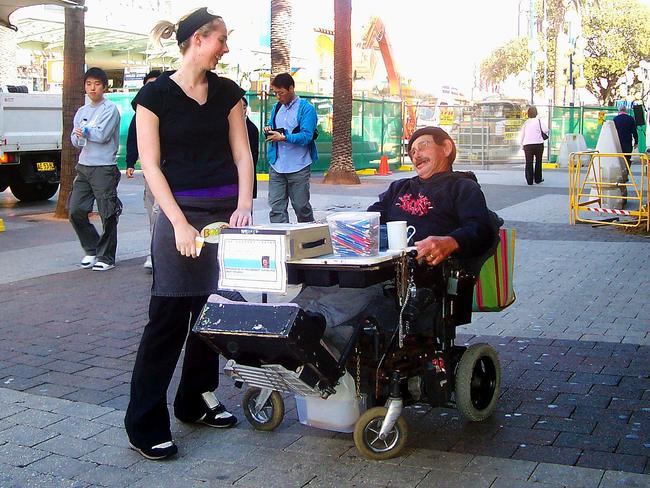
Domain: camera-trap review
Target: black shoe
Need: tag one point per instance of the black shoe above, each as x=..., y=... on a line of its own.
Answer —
x=538, y=182
x=218, y=417
x=158, y=452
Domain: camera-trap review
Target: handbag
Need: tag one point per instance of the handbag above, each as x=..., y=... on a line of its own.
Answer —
x=493, y=290
x=544, y=134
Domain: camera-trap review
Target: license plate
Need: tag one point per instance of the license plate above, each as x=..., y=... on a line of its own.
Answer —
x=45, y=166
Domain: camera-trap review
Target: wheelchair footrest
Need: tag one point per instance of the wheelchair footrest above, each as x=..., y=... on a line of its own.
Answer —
x=272, y=376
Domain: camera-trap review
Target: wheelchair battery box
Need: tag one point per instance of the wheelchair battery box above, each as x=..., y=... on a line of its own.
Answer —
x=257, y=333
x=303, y=240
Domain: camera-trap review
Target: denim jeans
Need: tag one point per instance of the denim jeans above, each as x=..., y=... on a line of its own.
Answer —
x=294, y=186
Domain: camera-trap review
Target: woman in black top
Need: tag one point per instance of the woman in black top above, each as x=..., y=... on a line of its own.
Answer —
x=195, y=155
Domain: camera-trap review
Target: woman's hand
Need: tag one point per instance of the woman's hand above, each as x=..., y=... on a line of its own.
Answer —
x=241, y=218
x=435, y=249
x=185, y=236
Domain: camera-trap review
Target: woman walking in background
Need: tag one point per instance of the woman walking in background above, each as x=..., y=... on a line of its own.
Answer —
x=532, y=139
x=195, y=155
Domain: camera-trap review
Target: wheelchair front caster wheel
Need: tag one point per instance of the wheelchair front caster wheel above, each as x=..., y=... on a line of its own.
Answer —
x=366, y=435
x=268, y=416
x=478, y=381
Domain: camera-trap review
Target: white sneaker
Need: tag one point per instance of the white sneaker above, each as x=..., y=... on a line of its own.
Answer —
x=147, y=264
x=88, y=261
x=99, y=266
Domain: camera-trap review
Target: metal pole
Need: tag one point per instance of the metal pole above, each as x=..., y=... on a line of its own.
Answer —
x=382, y=126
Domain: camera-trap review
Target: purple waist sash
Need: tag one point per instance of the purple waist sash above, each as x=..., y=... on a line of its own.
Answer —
x=225, y=191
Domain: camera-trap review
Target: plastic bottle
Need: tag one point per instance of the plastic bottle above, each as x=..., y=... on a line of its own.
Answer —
x=82, y=139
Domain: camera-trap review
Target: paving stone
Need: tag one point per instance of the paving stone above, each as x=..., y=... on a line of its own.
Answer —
x=25, y=435
x=66, y=366
x=550, y=409
x=608, y=460
x=11, y=396
x=51, y=389
x=20, y=456
x=274, y=477
x=563, y=424
x=547, y=454
x=112, y=456
x=76, y=427
x=9, y=410
x=112, y=436
x=172, y=480
x=620, y=479
x=526, y=436
x=36, y=418
x=62, y=466
x=587, y=442
x=392, y=475
x=427, y=458
x=110, y=476
x=517, y=483
x=69, y=446
x=81, y=410
x=569, y=475
x=508, y=468
x=114, y=418
x=314, y=445
x=438, y=478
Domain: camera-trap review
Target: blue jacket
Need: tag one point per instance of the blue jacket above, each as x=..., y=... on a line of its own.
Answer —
x=626, y=128
x=308, y=120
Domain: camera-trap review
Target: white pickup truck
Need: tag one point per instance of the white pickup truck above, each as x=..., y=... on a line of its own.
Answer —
x=30, y=144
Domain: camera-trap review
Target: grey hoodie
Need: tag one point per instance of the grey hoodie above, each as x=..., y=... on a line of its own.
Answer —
x=102, y=133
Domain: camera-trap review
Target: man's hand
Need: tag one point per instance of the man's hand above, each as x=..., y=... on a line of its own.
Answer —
x=78, y=132
x=435, y=249
x=274, y=136
x=129, y=172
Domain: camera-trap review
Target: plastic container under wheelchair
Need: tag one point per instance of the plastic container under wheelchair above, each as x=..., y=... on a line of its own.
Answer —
x=339, y=412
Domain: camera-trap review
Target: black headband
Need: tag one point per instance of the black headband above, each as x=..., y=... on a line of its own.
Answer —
x=192, y=23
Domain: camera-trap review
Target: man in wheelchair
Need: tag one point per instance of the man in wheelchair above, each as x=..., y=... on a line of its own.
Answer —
x=394, y=340
x=451, y=220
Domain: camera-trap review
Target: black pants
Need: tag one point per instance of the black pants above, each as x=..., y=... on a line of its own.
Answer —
x=530, y=151
x=170, y=319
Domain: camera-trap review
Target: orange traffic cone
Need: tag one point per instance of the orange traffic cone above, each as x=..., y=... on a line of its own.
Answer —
x=383, y=166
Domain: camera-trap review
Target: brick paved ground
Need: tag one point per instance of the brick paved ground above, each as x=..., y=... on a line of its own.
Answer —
x=574, y=350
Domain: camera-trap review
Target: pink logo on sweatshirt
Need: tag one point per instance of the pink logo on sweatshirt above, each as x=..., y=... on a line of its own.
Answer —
x=419, y=206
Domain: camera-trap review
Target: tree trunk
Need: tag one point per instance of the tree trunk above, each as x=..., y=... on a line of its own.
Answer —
x=341, y=170
x=74, y=56
x=280, y=37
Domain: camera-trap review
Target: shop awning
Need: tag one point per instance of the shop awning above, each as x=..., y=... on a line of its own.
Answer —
x=8, y=7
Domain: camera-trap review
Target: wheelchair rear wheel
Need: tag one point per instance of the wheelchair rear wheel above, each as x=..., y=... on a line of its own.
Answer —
x=269, y=416
x=366, y=435
x=478, y=381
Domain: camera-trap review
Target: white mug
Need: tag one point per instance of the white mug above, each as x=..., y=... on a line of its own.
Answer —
x=399, y=234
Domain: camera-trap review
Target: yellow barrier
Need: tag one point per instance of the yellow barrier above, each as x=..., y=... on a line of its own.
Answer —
x=589, y=191
x=2, y=225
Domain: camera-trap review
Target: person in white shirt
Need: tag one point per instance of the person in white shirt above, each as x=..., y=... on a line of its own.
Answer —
x=532, y=139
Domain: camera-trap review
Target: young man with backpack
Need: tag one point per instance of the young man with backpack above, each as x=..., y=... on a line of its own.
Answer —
x=291, y=132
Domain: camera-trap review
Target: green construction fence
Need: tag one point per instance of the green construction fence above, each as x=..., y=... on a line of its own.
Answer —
x=584, y=120
x=376, y=128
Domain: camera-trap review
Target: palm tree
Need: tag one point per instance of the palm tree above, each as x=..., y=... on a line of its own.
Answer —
x=280, y=36
x=341, y=170
x=74, y=58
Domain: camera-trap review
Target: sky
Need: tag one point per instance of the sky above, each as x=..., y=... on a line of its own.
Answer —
x=434, y=42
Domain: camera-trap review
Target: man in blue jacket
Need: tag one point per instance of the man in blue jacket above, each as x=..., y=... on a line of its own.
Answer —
x=290, y=133
x=626, y=129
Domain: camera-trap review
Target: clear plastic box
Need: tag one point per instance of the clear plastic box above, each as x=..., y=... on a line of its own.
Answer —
x=339, y=412
x=354, y=233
